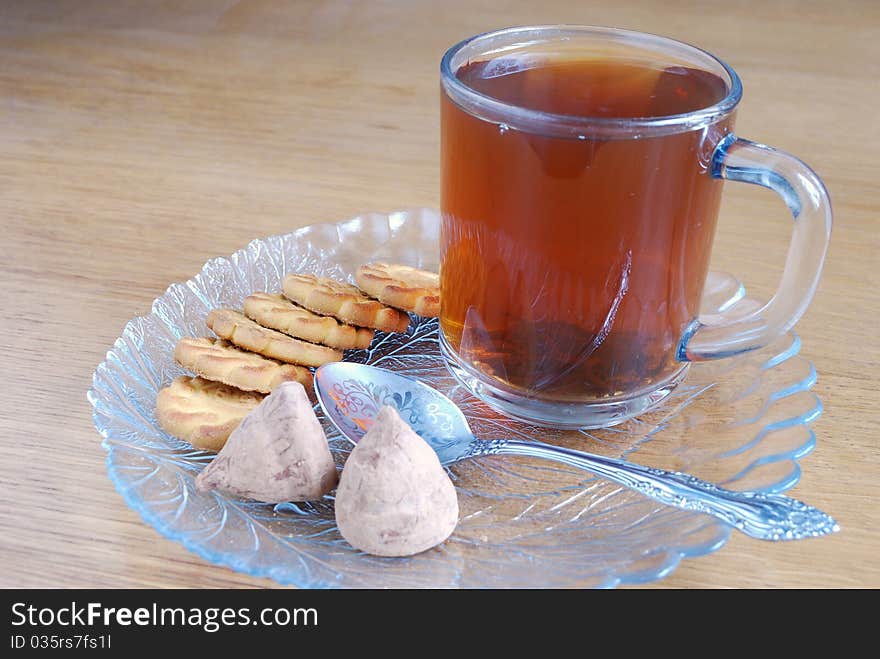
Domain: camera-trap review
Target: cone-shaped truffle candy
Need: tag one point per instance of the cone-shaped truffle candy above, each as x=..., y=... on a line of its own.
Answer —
x=394, y=498
x=278, y=453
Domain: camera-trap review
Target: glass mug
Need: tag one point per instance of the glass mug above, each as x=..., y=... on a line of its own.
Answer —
x=581, y=179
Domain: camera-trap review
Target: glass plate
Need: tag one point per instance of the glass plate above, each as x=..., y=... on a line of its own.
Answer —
x=743, y=422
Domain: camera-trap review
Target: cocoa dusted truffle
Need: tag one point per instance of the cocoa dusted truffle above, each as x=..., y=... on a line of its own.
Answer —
x=394, y=498
x=278, y=453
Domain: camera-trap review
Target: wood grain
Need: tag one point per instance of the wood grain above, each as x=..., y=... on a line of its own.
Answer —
x=140, y=139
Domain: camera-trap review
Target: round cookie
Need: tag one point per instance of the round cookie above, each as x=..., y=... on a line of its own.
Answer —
x=402, y=287
x=219, y=360
x=237, y=328
x=344, y=302
x=277, y=312
x=202, y=412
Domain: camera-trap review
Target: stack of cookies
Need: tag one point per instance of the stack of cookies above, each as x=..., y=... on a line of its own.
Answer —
x=278, y=337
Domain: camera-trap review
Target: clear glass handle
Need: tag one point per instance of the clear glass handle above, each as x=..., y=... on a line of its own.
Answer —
x=720, y=335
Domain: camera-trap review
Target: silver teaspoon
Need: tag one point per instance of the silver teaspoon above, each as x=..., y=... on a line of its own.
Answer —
x=351, y=395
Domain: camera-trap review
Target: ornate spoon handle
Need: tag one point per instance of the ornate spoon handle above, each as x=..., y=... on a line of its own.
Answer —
x=757, y=514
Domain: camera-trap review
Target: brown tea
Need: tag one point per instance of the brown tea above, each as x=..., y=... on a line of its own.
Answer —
x=571, y=267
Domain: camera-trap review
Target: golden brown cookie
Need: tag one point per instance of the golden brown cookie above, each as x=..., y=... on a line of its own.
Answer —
x=279, y=313
x=234, y=326
x=343, y=301
x=219, y=360
x=402, y=287
x=202, y=412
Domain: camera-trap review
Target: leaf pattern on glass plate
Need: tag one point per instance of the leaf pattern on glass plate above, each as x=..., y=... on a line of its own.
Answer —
x=743, y=422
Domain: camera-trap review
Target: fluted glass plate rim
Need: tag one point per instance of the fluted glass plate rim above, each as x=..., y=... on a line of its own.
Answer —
x=672, y=555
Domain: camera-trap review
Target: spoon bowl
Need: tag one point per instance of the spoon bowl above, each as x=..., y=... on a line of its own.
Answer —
x=352, y=394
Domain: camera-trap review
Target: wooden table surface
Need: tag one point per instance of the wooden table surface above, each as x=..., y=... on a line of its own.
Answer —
x=141, y=138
